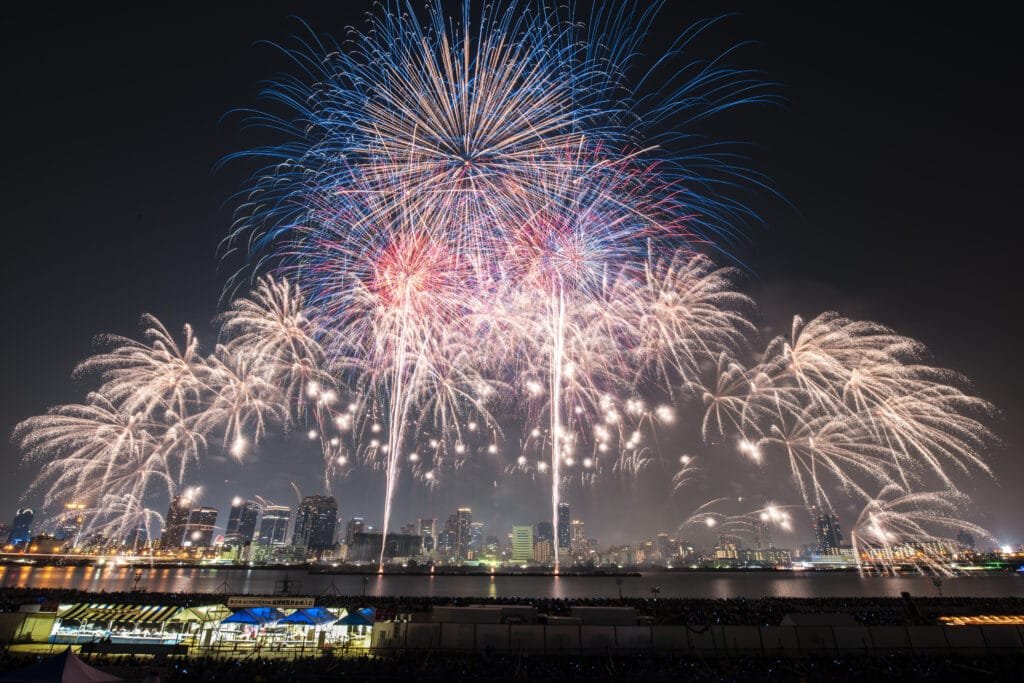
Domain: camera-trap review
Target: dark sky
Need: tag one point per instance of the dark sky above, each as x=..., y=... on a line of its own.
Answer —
x=899, y=149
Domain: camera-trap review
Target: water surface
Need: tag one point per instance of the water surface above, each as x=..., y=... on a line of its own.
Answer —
x=675, y=585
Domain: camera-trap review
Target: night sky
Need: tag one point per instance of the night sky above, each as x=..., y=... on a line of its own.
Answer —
x=897, y=151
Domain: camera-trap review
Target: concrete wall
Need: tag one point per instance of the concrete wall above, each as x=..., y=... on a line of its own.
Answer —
x=712, y=641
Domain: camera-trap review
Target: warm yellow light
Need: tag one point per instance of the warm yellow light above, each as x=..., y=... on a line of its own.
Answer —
x=984, y=620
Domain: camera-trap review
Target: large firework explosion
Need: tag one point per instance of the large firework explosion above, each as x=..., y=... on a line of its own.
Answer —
x=479, y=223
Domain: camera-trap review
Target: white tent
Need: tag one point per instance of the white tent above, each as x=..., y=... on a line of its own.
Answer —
x=63, y=668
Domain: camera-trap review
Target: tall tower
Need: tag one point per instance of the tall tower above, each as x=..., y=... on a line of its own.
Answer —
x=579, y=536
x=176, y=523
x=199, y=531
x=428, y=531
x=274, y=524
x=826, y=530
x=356, y=525
x=564, y=528
x=242, y=521
x=315, y=523
x=463, y=533
x=762, y=533
x=21, y=528
x=71, y=523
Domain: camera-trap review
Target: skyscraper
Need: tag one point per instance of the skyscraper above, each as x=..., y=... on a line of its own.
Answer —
x=564, y=528
x=21, y=527
x=476, y=540
x=463, y=533
x=522, y=543
x=428, y=528
x=356, y=525
x=199, y=531
x=242, y=521
x=579, y=536
x=71, y=522
x=545, y=530
x=274, y=524
x=763, y=534
x=826, y=530
x=315, y=522
x=445, y=545
x=176, y=522
x=667, y=547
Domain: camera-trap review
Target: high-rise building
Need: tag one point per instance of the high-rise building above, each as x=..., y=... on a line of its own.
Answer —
x=522, y=543
x=826, y=531
x=356, y=525
x=428, y=529
x=564, y=528
x=545, y=530
x=176, y=522
x=365, y=547
x=21, y=527
x=137, y=538
x=763, y=534
x=199, y=531
x=463, y=533
x=579, y=536
x=542, y=551
x=315, y=522
x=476, y=540
x=667, y=547
x=242, y=521
x=70, y=523
x=446, y=544
x=274, y=525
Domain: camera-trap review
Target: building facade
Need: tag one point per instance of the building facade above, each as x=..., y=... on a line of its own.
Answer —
x=21, y=527
x=827, y=533
x=242, y=521
x=522, y=543
x=274, y=525
x=175, y=523
x=564, y=528
x=315, y=522
x=199, y=531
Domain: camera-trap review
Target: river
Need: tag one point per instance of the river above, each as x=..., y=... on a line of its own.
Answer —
x=675, y=585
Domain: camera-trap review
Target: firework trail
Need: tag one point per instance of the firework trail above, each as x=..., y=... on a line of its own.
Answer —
x=853, y=402
x=899, y=528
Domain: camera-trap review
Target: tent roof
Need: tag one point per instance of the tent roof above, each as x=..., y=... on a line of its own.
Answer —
x=141, y=614
x=63, y=668
x=362, y=617
x=257, y=616
x=202, y=613
x=310, y=616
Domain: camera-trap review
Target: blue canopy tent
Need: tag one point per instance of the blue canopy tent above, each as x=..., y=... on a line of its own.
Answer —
x=362, y=617
x=309, y=616
x=255, y=616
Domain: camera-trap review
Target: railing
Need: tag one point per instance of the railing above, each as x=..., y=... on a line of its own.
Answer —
x=707, y=641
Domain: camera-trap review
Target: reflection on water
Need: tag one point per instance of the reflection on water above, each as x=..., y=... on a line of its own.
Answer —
x=694, y=585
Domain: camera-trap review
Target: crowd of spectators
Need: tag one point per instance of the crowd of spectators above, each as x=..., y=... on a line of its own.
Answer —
x=766, y=611
x=433, y=667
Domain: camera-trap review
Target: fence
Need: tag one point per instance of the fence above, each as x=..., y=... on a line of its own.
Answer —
x=705, y=641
